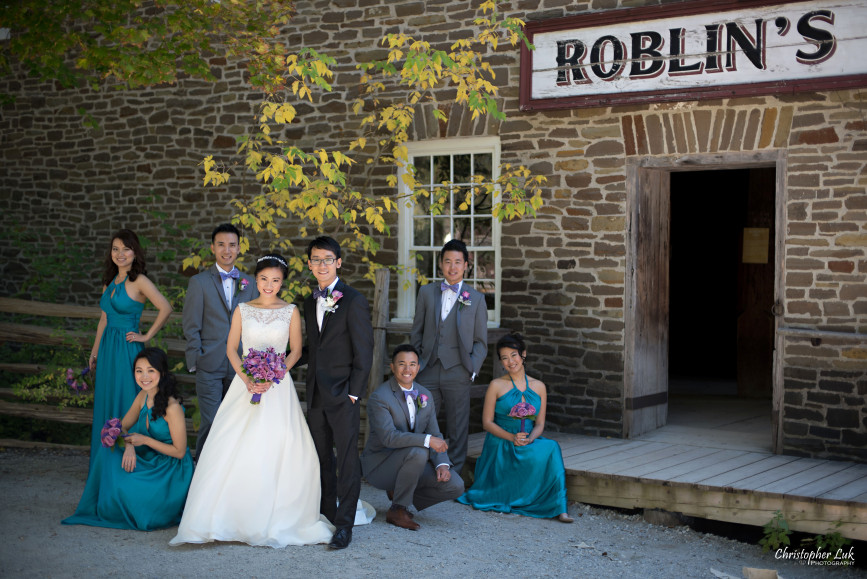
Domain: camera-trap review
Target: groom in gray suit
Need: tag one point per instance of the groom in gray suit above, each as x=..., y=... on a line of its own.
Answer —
x=450, y=329
x=405, y=453
x=212, y=296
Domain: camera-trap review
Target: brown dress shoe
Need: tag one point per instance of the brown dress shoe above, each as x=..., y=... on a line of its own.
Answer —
x=400, y=518
x=390, y=495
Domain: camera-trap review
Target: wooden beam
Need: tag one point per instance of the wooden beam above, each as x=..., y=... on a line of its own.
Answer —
x=12, y=443
x=30, y=334
x=380, y=321
x=34, y=308
x=57, y=414
x=747, y=507
x=22, y=368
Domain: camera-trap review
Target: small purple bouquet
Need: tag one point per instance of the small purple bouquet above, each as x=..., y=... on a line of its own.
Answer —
x=111, y=431
x=264, y=366
x=523, y=411
x=79, y=382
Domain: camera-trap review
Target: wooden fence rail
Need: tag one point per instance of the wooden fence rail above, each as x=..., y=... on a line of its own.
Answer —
x=41, y=335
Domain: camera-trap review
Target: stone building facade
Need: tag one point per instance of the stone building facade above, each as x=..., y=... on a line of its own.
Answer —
x=567, y=277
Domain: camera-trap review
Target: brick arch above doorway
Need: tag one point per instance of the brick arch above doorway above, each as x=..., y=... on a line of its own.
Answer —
x=707, y=130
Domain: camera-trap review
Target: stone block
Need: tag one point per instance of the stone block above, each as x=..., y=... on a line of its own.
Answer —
x=795, y=413
x=794, y=428
x=603, y=361
x=837, y=386
x=822, y=432
x=842, y=418
x=854, y=438
x=827, y=398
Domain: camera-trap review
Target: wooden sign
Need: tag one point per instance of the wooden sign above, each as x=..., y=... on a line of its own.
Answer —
x=755, y=245
x=694, y=50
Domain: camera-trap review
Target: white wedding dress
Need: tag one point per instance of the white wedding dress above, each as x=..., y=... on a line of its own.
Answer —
x=257, y=480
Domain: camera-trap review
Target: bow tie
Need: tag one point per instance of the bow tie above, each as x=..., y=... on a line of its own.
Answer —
x=320, y=293
x=410, y=393
x=444, y=286
x=232, y=274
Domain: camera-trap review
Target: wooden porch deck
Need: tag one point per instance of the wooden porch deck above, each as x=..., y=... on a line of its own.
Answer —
x=738, y=486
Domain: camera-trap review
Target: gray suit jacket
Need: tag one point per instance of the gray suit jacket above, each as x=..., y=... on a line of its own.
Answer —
x=472, y=326
x=207, y=317
x=389, y=425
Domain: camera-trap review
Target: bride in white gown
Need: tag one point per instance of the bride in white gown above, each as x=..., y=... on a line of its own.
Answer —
x=257, y=480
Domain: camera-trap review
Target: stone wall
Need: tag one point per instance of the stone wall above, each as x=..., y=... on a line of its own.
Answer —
x=563, y=272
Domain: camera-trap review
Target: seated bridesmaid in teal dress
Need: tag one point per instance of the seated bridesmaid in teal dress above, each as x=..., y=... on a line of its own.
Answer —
x=518, y=471
x=118, y=337
x=144, y=486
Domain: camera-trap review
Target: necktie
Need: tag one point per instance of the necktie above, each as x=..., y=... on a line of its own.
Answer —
x=232, y=274
x=411, y=393
x=320, y=293
x=444, y=286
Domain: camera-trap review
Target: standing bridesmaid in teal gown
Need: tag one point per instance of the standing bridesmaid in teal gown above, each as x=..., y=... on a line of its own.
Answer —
x=518, y=470
x=118, y=338
x=144, y=486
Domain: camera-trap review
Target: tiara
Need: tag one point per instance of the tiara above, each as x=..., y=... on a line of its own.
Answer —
x=275, y=258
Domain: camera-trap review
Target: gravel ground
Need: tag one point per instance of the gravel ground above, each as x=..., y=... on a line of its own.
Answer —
x=39, y=488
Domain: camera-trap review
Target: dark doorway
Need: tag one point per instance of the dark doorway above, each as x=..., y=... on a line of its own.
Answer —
x=721, y=290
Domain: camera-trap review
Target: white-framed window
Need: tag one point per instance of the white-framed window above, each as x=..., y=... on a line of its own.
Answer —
x=423, y=232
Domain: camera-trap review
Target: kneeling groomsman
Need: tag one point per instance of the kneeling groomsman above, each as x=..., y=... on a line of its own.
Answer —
x=405, y=453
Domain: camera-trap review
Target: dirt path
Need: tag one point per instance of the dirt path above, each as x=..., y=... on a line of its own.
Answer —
x=39, y=488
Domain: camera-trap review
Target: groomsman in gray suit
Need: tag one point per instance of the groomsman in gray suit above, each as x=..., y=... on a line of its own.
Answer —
x=450, y=330
x=405, y=454
x=212, y=296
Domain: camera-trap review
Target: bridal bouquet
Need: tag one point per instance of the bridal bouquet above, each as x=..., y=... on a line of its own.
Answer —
x=264, y=366
x=523, y=411
x=111, y=432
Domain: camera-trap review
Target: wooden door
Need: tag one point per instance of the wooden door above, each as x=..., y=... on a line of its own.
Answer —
x=755, y=325
x=645, y=402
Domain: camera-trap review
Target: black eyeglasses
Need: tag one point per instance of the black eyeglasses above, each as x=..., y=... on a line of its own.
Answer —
x=325, y=261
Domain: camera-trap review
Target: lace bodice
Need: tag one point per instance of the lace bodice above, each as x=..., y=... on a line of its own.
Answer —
x=265, y=328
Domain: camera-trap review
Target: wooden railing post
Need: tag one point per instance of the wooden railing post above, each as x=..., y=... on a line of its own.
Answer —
x=379, y=320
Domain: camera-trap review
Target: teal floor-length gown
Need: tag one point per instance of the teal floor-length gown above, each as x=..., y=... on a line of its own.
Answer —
x=528, y=480
x=115, y=387
x=150, y=497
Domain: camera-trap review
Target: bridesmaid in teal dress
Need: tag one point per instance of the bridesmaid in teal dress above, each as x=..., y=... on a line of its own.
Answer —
x=518, y=470
x=118, y=339
x=144, y=486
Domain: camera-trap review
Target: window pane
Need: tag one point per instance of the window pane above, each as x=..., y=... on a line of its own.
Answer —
x=463, y=169
x=483, y=231
x=483, y=202
x=461, y=197
x=422, y=170
x=442, y=229
x=442, y=169
x=463, y=230
x=484, y=267
x=421, y=235
x=426, y=264
x=422, y=205
x=483, y=164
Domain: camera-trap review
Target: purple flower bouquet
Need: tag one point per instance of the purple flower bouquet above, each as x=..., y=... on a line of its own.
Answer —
x=111, y=432
x=264, y=366
x=523, y=411
x=78, y=384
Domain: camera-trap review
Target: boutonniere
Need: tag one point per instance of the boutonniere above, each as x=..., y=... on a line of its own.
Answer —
x=242, y=285
x=330, y=304
x=464, y=298
x=421, y=401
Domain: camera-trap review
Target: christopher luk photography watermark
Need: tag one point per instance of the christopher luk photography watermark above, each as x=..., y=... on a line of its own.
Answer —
x=841, y=557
